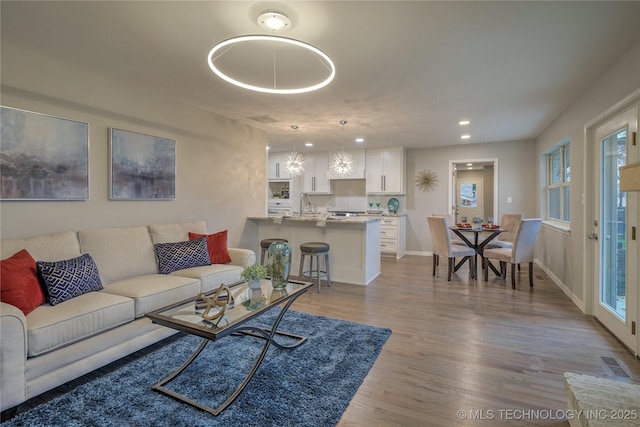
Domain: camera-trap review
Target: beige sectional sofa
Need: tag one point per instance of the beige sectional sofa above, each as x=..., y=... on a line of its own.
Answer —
x=55, y=344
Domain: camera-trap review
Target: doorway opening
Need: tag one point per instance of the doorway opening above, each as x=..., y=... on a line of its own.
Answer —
x=473, y=189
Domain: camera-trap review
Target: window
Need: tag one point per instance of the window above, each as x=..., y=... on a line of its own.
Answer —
x=559, y=182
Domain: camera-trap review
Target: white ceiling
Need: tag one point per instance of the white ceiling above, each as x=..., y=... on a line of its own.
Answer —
x=407, y=72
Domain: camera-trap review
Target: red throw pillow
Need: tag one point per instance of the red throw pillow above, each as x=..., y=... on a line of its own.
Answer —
x=217, y=244
x=19, y=285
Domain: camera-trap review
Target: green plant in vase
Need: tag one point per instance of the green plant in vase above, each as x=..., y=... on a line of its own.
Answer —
x=254, y=274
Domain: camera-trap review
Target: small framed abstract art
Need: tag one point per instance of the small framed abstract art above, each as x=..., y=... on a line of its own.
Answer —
x=143, y=167
x=43, y=157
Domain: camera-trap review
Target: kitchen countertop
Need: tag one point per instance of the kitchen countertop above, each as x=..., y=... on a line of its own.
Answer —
x=314, y=218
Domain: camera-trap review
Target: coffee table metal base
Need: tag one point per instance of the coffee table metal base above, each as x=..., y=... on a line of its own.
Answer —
x=255, y=331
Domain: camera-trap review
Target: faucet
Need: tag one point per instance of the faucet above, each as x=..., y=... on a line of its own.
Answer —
x=301, y=199
x=302, y=196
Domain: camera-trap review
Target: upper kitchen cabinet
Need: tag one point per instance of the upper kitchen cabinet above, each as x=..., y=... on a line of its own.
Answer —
x=315, y=173
x=277, y=169
x=385, y=170
x=359, y=160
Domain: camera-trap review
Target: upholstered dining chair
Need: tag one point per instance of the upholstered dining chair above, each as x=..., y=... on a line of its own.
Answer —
x=442, y=246
x=455, y=240
x=522, y=251
x=508, y=222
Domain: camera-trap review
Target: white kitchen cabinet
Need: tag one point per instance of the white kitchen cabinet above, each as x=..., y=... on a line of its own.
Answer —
x=359, y=161
x=277, y=169
x=385, y=170
x=315, y=178
x=392, y=236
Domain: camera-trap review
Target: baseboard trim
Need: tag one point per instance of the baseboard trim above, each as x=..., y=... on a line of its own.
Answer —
x=419, y=253
x=563, y=288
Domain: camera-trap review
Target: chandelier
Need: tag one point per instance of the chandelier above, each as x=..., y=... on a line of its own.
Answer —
x=273, y=20
x=295, y=162
x=342, y=163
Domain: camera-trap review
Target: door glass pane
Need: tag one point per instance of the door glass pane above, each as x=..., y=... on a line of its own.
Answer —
x=468, y=196
x=613, y=289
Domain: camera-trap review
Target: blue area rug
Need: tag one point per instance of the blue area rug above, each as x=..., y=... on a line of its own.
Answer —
x=311, y=385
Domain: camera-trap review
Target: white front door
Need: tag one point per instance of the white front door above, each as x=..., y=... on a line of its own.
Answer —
x=615, y=224
x=469, y=198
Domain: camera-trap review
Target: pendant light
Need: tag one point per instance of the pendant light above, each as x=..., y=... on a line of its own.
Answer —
x=295, y=162
x=229, y=59
x=342, y=163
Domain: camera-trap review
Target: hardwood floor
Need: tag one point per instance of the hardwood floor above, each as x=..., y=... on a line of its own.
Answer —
x=494, y=353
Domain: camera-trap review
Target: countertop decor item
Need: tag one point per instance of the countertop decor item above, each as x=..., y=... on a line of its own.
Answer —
x=426, y=180
x=393, y=205
x=279, y=264
x=254, y=274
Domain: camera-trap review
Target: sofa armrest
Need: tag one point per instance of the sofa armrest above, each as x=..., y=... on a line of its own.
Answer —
x=13, y=356
x=242, y=257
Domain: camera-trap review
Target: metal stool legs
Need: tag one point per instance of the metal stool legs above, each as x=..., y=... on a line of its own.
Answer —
x=317, y=272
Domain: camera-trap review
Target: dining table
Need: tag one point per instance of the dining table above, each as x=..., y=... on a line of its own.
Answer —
x=487, y=232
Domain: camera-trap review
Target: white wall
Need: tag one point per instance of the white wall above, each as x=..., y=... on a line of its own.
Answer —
x=563, y=253
x=516, y=174
x=221, y=164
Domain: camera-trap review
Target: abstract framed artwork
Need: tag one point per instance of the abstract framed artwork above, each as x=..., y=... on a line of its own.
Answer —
x=143, y=167
x=43, y=157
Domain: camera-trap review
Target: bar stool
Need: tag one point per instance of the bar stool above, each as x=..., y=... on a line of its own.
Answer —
x=315, y=250
x=264, y=245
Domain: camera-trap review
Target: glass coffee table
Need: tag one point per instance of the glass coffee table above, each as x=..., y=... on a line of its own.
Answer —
x=248, y=304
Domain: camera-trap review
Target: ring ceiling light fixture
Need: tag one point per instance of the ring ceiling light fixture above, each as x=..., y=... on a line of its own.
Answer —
x=272, y=20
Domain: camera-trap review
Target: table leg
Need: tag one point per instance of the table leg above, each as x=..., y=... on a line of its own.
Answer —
x=266, y=334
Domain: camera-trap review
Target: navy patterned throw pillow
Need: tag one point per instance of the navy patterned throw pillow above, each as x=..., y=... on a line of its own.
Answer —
x=69, y=278
x=181, y=255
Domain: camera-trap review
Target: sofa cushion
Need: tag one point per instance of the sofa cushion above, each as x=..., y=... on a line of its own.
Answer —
x=120, y=253
x=179, y=255
x=19, y=284
x=217, y=245
x=212, y=276
x=51, y=327
x=69, y=278
x=50, y=247
x=179, y=232
x=153, y=291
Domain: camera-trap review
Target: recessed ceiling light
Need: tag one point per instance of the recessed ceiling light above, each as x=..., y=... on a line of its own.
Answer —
x=469, y=164
x=308, y=144
x=464, y=122
x=465, y=137
x=359, y=139
x=469, y=168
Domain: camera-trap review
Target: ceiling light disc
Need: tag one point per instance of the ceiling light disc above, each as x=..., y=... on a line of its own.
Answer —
x=274, y=20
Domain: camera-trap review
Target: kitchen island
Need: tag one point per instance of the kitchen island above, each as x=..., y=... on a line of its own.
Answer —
x=354, y=256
